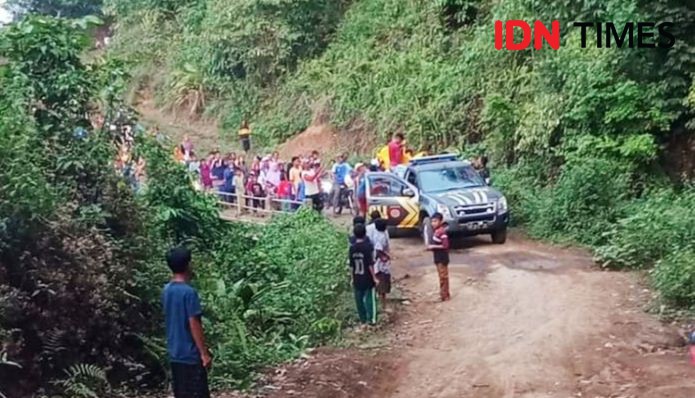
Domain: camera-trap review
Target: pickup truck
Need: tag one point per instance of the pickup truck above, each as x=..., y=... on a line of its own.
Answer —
x=439, y=184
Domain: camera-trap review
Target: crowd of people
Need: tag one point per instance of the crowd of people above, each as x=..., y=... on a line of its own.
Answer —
x=370, y=256
x=290, y=183
x=235, y=177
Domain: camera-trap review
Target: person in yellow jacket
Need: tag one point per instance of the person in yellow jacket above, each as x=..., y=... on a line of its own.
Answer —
x=382, y=156
x=245, y=136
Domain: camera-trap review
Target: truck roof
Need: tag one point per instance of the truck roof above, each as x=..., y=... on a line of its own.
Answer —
x=437, y=162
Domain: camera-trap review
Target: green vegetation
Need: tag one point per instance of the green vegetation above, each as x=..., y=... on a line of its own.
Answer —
x=82, y=256
x=581, y=139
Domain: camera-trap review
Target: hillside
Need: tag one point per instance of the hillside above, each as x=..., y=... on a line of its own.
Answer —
x=590, y=144
x=426, y=67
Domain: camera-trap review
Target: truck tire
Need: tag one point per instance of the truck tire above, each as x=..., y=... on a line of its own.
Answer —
x=499, y=237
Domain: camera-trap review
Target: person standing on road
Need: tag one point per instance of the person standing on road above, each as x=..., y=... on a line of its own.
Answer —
x=341, y=169
x=284, y=192
x=382, y=259
x=228, y=190
x=361, y=191
x=440, y=249
x=310, y=177
x=382, y=157
x=295, y=174
x=188, y=355
x=239, y=187
x=206, y=173
x=363, y=277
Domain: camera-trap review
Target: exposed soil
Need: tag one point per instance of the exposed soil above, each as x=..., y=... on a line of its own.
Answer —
x=525, y=320
x=329, y=141
x=318, y=137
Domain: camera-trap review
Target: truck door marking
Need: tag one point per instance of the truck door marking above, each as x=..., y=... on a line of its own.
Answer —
x=412, y=217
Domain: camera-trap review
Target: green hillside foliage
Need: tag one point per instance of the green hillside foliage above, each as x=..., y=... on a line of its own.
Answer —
x=82, y=255
x=576, y=137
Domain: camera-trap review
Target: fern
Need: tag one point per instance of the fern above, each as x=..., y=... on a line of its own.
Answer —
x=84, y=381
x=53, y=342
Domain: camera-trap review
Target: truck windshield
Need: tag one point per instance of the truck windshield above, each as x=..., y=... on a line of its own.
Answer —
x=449, y=179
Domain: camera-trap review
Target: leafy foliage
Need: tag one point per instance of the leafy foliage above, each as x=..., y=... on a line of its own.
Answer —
x=674, y=276
x=85, y=381
x=653, y=228
x=271, y=292
x=72, y=235
x=81, y=255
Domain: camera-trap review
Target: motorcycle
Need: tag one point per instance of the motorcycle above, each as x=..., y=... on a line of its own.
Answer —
x=346, y=199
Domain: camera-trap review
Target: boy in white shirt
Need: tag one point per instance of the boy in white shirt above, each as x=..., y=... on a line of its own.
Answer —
x=382, y=259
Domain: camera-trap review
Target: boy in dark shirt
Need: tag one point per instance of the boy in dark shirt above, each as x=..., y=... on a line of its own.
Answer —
x=188, y=355
x=363, y=277
x=440, y=250
x=358, y=220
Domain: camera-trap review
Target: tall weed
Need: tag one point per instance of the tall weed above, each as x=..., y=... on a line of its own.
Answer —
x=659, y=225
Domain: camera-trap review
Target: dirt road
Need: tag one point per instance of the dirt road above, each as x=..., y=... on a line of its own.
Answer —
x=526, y=321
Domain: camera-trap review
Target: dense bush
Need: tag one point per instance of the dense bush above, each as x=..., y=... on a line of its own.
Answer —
x=656, y=226
x=674, y=276
x=72, y=235
x=584, y=202
x=269, y=292
x=81, y=255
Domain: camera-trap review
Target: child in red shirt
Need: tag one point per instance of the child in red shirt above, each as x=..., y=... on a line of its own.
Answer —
x=284, y=191
x=440, y=250
x=396, y=147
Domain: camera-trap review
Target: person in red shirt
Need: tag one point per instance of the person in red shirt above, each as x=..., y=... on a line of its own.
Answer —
x=284, y=191
x=396, y=147
x=440, y=248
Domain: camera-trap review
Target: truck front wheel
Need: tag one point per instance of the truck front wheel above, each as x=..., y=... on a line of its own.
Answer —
x=499, y=237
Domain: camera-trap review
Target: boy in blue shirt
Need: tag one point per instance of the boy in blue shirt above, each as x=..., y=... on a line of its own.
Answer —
x=188, y=354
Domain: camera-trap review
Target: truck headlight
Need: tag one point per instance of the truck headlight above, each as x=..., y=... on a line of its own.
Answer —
x=502, y=205
x=444, y=210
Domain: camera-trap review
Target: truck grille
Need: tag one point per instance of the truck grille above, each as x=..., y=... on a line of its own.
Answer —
x=486, y=211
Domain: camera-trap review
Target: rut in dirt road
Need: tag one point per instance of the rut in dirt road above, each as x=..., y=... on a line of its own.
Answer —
x=528, y=320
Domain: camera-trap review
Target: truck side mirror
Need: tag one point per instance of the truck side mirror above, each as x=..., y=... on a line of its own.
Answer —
x=408, y=192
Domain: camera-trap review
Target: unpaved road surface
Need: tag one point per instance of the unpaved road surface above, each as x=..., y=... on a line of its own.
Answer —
x=526, y=320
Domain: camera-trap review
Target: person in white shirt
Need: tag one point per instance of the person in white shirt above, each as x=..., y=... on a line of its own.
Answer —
x=382, y=259
x=311, y=176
